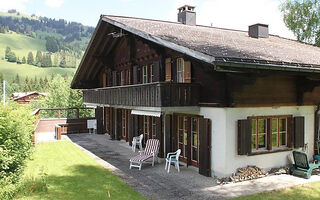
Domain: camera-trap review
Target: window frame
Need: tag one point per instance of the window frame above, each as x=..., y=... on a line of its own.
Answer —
x=269, y=132
x=180, y=61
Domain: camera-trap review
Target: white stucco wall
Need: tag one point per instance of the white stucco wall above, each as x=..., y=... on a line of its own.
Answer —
x=224, y=158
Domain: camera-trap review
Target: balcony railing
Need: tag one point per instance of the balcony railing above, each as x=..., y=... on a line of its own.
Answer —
x=150, y=95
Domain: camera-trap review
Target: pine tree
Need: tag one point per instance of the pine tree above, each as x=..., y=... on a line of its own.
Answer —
x=17, y=79
x=39, y=58
x=23, y=60
x=30, y=60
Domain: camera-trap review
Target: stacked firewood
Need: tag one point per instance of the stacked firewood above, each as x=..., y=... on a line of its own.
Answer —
x=250, y=173
x=243, y=174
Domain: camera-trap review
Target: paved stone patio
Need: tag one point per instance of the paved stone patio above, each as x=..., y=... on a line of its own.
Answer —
x=156, y=183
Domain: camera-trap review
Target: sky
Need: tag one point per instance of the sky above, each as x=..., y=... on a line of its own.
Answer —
x=232, y=14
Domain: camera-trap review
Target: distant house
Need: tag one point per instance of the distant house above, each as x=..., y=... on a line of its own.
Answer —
x=226, y=98
x=26, y=97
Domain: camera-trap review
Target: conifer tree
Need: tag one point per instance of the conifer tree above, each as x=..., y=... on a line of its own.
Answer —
x=30, y=59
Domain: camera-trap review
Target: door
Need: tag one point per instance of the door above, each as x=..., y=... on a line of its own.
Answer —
x=183, y=138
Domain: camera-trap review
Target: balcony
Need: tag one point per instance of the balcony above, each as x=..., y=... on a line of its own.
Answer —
x=148, y=95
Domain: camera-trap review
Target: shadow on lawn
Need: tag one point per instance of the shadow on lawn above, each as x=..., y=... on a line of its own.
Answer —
x=88, y=182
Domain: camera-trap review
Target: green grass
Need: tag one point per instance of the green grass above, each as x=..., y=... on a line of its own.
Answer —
x=59, y=170
x=304, y=192
x=10, y=70
x=20, y=44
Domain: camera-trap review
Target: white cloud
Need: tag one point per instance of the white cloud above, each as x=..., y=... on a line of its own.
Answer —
x=13, y=4
x=54, y=3
x=236, y=14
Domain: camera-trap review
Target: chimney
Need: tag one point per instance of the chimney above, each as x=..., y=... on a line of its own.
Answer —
x=186, y=15
x=259, y=31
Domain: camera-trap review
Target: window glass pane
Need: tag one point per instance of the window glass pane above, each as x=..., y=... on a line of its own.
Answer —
x=282, y=138
x=194, y=154
x=262, y=141
x=185, y=143
x=274, y=139
x=283, y=125
x=195, y=139
x=274, y=125
x=262, y=126
x=253, y=141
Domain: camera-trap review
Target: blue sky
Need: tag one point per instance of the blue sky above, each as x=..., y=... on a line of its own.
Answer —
x=234, y=14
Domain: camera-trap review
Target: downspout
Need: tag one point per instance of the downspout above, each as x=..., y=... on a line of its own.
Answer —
x=316, y=132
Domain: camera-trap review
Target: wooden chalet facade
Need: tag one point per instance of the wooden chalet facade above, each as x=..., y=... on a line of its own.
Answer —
x=26, y=97
x=224, y=98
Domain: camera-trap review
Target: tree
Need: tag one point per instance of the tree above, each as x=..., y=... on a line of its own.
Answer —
x=30, y=59
x=303, y=18
x=11, y=56
x=7, y=51
x=52, y=44
x=23, y=60
x=38, y=58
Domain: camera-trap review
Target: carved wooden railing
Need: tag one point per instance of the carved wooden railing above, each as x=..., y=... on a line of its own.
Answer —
x=150, y=95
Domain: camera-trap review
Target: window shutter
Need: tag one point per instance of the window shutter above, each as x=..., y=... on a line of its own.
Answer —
x=114, y=78
x=104, y=80
x=139, y=75
x=119, y=124
x=187, y=72
x=298, y=132
x=204, y=147
x=135, y=74
x=290, y=132
x=156, y=71
x=244, y=137
x=168, y=70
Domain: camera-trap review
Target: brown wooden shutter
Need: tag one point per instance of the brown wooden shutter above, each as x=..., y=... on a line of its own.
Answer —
x=99, y=117
x=290, y=132
x=205, y=147
x=244, y=137
x=139, y=75
x=298, y=132
x=159, y=135
x=187, y=72
x=112, y=129
x=104, y=80
x=168, y=134
x=114, y=78
x=119, y=124
x=135, y=74
x=156, y=71
x=168, y=70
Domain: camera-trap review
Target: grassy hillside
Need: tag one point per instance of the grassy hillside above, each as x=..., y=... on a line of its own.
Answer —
x=20, y=44
x=11, y=69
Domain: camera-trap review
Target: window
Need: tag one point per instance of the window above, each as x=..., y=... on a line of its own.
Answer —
x=180, y=67
x=262, y=127
x=146, y=122
x=122, y=77
x=194, y=139
x=124, y=124
x=152, y=74
x=128, y=75
x=182, y=135
x=145, y=74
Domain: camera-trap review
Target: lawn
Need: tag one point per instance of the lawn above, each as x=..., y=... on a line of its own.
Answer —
x=69, y=173
x=304, y=192
x=10, y=70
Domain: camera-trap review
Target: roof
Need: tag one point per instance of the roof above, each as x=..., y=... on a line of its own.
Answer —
x=18, y=95
x=222, y=48
x=219, y=42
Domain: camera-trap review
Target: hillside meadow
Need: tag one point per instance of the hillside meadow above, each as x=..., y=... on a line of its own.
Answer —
x=10, y=70
x=20, y=44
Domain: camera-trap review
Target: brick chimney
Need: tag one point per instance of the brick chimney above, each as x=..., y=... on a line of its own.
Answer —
x=259, y=31
x=187, y=15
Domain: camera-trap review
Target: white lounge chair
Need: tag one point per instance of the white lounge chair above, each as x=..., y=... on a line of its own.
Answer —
x=137, y=141
x=173, y=157
x=151, y=151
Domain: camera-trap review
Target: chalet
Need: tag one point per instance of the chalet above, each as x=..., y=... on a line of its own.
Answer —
x=226, y=98
x=26, y=97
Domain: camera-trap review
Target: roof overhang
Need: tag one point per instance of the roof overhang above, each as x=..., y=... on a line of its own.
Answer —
x=215, y=61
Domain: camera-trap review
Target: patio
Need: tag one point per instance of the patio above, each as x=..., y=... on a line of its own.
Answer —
x=156, y=183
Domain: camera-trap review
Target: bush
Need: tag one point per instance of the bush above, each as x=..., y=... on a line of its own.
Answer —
x=11, y=56
x=16, y=127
